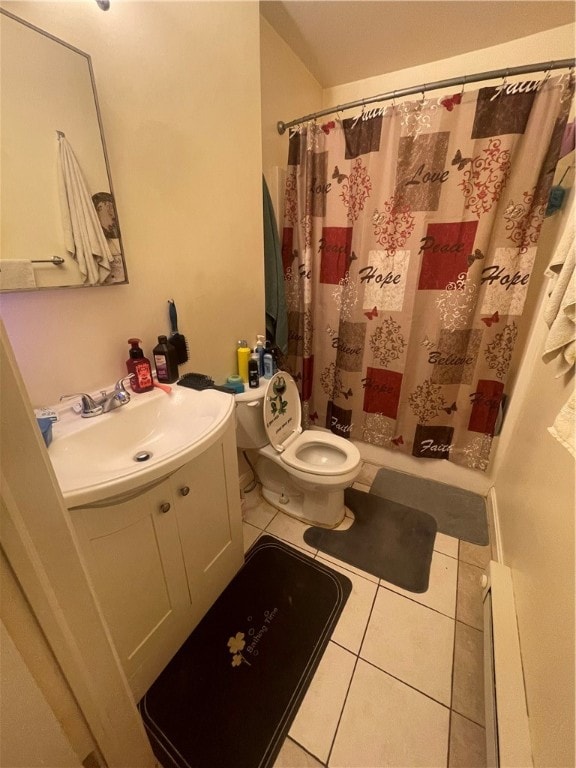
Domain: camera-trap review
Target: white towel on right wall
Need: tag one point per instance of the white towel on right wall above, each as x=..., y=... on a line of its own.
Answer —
x=564, y=427
x=560, y=308
x=560, y=316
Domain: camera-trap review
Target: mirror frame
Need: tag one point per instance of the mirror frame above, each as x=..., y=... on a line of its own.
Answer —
x=56, y=259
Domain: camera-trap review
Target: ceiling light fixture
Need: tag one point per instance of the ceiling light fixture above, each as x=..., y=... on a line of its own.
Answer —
x=103, y=4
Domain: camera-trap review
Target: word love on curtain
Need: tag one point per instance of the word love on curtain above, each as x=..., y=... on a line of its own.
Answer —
x=409, y=240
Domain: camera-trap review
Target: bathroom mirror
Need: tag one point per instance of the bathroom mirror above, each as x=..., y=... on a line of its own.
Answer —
x=59, y=226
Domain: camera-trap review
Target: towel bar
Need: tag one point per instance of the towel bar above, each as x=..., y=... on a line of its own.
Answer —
x=54, y=260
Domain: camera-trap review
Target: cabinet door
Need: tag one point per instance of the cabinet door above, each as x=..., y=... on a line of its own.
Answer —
x=207, y=500
x=133, y=554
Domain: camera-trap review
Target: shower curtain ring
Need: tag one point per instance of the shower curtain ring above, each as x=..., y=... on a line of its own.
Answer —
x=423, y=92
x=463, y=85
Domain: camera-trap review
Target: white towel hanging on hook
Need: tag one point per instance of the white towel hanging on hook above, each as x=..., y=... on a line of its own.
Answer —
x=83, y=234
x=560, y=307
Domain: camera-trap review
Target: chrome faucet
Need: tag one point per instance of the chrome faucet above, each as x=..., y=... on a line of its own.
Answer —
x=107, y=402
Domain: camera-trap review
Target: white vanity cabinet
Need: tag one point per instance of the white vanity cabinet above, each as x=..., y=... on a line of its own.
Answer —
x=160, y=558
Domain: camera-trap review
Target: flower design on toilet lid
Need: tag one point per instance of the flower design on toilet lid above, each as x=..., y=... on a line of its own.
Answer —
x=282, y=410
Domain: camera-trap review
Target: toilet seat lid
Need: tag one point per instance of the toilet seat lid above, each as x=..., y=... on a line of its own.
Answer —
x=282, y=411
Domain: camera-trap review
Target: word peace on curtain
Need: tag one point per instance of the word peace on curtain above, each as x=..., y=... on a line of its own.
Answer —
x=408, y=246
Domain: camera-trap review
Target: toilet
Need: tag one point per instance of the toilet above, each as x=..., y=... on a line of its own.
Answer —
x=303, y=473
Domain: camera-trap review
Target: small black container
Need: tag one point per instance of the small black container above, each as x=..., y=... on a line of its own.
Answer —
x=165, y=361
x=253, y=373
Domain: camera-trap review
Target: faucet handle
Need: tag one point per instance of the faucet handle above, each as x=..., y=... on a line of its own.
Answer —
x=119, y=386
x=89, y=406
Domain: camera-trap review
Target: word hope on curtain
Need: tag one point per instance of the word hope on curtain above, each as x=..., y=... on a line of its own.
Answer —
x=409, y=241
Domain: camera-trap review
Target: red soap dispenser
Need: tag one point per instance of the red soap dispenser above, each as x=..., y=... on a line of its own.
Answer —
x=140, y=367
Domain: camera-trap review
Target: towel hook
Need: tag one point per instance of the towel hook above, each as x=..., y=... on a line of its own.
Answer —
x=568, y=168
x=61, y=134
x=547, y=73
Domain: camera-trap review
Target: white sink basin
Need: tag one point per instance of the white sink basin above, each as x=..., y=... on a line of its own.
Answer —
x=95, y=459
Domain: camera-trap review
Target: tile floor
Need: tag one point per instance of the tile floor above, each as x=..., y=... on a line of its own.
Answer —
x=400, y=683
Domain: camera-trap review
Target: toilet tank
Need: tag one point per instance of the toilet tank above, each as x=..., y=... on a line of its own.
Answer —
x=250, y=432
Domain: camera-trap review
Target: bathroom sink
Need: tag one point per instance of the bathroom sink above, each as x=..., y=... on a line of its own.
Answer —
x=135, y=445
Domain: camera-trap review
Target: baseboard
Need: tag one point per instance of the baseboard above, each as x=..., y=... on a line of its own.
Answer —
x=494, y=525
x=506, y=714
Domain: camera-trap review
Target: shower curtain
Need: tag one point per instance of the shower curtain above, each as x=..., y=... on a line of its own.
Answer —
x=409, y=240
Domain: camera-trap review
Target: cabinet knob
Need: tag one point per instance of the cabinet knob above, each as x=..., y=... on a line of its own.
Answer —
x=165, y=507
x=185, y=490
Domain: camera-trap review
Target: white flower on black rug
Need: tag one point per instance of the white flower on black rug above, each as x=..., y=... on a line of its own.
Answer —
x=236, y=645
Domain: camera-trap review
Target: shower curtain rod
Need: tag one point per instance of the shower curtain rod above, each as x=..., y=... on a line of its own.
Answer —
x=464, y=80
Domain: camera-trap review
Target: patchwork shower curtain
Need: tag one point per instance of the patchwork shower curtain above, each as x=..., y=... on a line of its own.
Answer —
x=409, y=240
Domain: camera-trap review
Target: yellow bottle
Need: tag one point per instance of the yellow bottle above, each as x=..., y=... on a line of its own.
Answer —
x=243, y=357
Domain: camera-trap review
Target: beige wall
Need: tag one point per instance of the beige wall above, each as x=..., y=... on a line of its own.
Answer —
x=535, y=500
x=179, y=90
x=21, y=624
x=31, y=735
x=553, y=44
x=288, y=90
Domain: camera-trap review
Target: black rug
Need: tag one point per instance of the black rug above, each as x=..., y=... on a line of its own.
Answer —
x=458, y=513
x=228, y=697
x=387, y=539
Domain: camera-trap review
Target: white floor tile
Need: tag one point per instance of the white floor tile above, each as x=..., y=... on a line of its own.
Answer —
x=347, y=567
x=446, y=544
x=411, y=642
x=315, y=724
x=293, y=756
x=258, y=512
x=250, y=535
x=353, y=620
x=361, y=487
x=441, y=592
x=386, y=723
x=290, y=530
x=348, y=521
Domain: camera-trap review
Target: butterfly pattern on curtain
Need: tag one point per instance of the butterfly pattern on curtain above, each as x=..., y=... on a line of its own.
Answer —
x=409, y=240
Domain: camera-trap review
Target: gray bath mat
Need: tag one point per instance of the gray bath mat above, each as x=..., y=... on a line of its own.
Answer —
x=387, y=539
x=458, y=513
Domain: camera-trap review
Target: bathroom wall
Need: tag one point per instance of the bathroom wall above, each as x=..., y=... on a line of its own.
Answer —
x=534, y=488
x=179, y=90
x=300, y=94
x=31, y=735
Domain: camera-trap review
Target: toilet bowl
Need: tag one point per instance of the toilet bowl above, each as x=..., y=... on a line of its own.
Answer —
x=302, y=473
